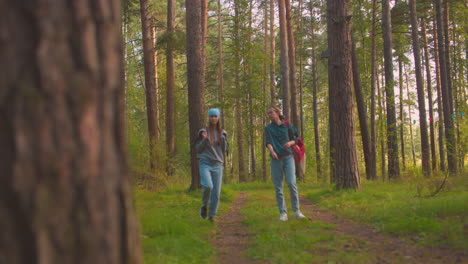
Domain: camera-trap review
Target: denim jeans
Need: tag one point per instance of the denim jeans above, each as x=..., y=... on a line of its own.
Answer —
x=285, y=166
x=211, y=178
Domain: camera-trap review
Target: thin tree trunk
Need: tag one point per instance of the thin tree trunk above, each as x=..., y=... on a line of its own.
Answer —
x=64, y=191
x=149, y=80
x=362, y=113
x=156, y=86
x=439, y=99
x=301, y=70
x=294, y=114
x=448, y=110
x=272, y=54
x=284, y=58
x=429, y=93
x=343, y=148
x=170, y=89
x=381, y=102
x=221, y=64
x=264, y=85
x=411, y=120
x=195, y=81
x=392, y=139
x=402, y=118
x=426, y=160
x=445, y=24
x=315, y=106
x=373, y=143
x=253, y=165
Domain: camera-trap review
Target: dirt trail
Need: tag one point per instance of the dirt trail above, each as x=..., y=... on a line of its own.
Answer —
x=232, y=239
x=387, y=249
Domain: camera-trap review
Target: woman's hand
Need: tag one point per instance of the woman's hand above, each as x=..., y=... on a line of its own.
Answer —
x=203, y=134
x=274, y=155
x=289, y=144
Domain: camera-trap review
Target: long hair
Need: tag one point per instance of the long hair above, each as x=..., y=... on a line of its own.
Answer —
x=211, y=133
x=278, y=111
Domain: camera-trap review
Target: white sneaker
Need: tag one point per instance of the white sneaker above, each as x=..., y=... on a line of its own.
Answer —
x=283, y=217
x=299, y=215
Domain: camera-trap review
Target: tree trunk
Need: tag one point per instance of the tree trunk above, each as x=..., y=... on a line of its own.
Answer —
x=195, y=81
x=381, y=102
x=301, y=72
x=221, y=65
x=343, y=148
x=445, y=24
x=264, y=85
x=402, y=116
x=64, y=191
x=253, y=165
x=392, y=139
x=315, y=107
x=373, y=142
x=439, y=99
x=170, y=89
x=284, y=58
x=149, y=80
x=294, y=115
x=429, y=93
x=156, y=78
x=411, y=121
x=426, y=160
x=448, y=110
x=370, y=174
x=272, y=54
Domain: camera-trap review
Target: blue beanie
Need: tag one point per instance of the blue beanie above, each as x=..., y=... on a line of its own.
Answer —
x=214, y=111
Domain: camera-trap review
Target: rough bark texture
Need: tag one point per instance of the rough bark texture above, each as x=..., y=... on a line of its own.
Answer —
x=342, y=130
x=440, y=106
x=370, y=170
x=315, y=108
x=150, y=91
x=170, y=89
x=264, y=85
x=64, y=191
x=429, y=94
x=195, y=80
x=284, y=58
x=220, y=64
x=446, y=96
x=426, y=162
x=392, y=139
x=373, y=142
x=294, y=114
x=156, y=86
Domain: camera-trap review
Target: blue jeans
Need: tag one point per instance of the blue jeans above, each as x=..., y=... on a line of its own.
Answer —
x=211, y=178
x=285, y=166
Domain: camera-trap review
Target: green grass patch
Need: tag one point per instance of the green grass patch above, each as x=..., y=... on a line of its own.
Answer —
x=172, y=231
x=294, y=241
x=395, y=209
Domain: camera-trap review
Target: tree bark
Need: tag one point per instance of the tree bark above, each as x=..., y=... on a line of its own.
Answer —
x=315, y=106
x=392, y=139
x=429, y=93
x=149, y=80
x=195, y=81
x=343, y=148
x=272, y=54
x=292, y=68
x=426, y=160
x=370, y=173
x=284, y=58
x=381, y=102
x=221, y=64
x=402, y=113
x=448, y=110
x=411, y=120
x=373, y=142
x=64, y=190
x=439, y=99
x=264, y=85
x=156, y=78
x=170, y=89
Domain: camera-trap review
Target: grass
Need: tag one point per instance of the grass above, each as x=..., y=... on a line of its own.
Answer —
x=394, y=209
x=172, y=231
x=293, y=241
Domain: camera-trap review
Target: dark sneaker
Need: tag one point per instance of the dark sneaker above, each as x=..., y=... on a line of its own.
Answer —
x=212, y=219
x=203, y=213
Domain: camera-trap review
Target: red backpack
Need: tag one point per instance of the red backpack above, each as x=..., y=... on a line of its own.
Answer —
x=299, y=148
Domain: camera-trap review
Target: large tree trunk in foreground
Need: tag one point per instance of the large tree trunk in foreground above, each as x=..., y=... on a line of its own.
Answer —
x=195, y=80
x=64, y=191
x=340, y=81
x=284, y=59
x=170, y=89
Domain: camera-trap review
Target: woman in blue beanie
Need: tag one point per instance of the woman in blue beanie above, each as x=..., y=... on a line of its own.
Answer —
x=211, y=147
